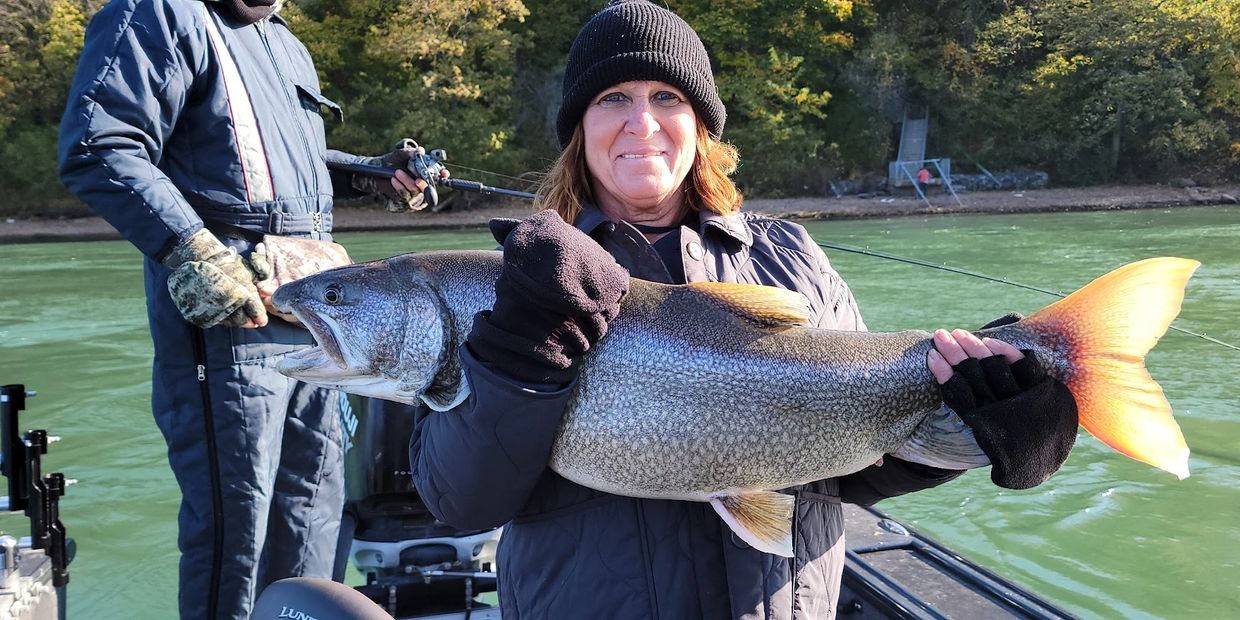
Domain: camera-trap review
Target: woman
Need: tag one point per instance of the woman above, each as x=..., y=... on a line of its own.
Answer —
x=644, y=175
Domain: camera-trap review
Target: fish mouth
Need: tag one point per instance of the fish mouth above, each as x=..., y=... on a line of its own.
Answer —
x=306, y=364
x=328, y=351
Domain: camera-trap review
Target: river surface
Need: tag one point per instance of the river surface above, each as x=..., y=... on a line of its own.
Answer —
x=1107, y=537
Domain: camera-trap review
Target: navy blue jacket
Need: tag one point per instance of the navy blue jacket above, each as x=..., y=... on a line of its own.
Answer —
x=573, y=552
x=153, y=141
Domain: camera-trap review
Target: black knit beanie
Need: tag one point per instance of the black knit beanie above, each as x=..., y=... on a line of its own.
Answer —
x=633, y=40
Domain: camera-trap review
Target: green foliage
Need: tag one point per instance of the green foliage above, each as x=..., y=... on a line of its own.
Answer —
x=1089, y=90
x=438, y=71
x=548, y=34
x=28, y=174
x=772, y=63
x=39, y=44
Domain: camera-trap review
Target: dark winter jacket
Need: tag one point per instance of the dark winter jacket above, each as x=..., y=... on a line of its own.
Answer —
x=159, y=134
x=572, y=552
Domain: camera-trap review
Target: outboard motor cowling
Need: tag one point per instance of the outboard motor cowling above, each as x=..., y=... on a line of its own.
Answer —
x=414, y=564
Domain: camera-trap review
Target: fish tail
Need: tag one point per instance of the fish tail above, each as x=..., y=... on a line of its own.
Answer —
x=1106, y=328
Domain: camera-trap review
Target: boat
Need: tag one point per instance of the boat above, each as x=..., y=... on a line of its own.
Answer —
x=34, y=569
x=418, y=568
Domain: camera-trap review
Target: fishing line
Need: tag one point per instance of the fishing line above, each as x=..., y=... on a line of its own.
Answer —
x=903, y=259
x=988, y=278
x=504, y=176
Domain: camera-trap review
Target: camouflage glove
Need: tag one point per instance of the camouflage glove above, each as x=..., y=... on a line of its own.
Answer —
x=211, y=285
x=1023, y=419
x=398, y=200
x=553, y=300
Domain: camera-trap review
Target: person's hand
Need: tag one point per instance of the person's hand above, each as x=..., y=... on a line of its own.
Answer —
x=211, y=285
x=402, y=192
x=553, y=300
x=1023, y=419
x=276, y=261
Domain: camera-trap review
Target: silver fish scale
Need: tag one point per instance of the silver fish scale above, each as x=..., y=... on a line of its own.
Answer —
x=683, y=400
x=465, y=281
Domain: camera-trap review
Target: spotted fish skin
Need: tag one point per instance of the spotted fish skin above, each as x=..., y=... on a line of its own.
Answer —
x=683, y=400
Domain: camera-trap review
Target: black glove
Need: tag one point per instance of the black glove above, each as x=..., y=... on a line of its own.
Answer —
x=553, y=300
x=250, y=11
x=397, y=200
x=1023, y=419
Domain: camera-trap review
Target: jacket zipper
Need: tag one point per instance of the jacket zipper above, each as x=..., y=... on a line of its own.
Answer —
x=793, y=568
x=639, y=506
x=293, y=108
x=213, y=468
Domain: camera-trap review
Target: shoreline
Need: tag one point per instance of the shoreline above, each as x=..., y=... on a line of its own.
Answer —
x=354, y=218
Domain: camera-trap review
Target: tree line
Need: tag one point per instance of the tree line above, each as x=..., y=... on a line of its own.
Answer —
x=1091, y=91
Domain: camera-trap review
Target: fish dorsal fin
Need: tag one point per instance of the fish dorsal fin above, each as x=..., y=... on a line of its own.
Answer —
x=765, y=305
x=761, y=518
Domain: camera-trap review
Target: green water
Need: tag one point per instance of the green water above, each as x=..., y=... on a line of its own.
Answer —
x=1107, y=537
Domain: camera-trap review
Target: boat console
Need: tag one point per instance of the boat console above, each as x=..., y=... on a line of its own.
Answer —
x=415, y=566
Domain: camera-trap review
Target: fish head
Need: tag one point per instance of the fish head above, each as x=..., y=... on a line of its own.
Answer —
x=381, y=331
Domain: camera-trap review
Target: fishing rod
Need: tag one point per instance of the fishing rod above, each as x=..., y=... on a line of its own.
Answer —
x=429, y=167
x=988, y=278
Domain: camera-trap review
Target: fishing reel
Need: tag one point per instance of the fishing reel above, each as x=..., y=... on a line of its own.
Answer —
x=428, y=167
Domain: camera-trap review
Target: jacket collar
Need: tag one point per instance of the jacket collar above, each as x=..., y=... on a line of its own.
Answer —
x=731, y=225
x=237, y=10
x=591, y=217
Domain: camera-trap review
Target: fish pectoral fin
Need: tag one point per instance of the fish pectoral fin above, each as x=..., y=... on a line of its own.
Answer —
x=761, y=518
x=765, y=305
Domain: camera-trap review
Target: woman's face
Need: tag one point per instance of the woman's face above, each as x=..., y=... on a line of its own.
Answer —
x=640, y=142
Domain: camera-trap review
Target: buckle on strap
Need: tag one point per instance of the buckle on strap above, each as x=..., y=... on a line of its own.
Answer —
x=276, y=223
x=292, y=224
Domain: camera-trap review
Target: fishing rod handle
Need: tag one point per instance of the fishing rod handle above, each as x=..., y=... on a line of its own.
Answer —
x=363, y=169
x=432, y=197
x=429, y=194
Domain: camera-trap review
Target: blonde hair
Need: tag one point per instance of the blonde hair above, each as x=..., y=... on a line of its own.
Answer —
x=708, y=186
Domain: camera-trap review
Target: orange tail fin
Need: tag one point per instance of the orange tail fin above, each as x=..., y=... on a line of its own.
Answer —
x=1107, y=327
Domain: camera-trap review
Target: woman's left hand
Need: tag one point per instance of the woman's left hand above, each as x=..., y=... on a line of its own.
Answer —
x=1023, y=419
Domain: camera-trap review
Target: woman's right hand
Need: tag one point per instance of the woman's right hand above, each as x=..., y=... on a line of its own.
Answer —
x=553, y=300
x=1023, y=419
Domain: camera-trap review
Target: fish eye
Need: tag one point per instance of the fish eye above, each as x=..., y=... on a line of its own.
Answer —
x=333, y=295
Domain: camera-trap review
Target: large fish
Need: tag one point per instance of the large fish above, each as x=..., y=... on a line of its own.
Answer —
x=718, y=392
